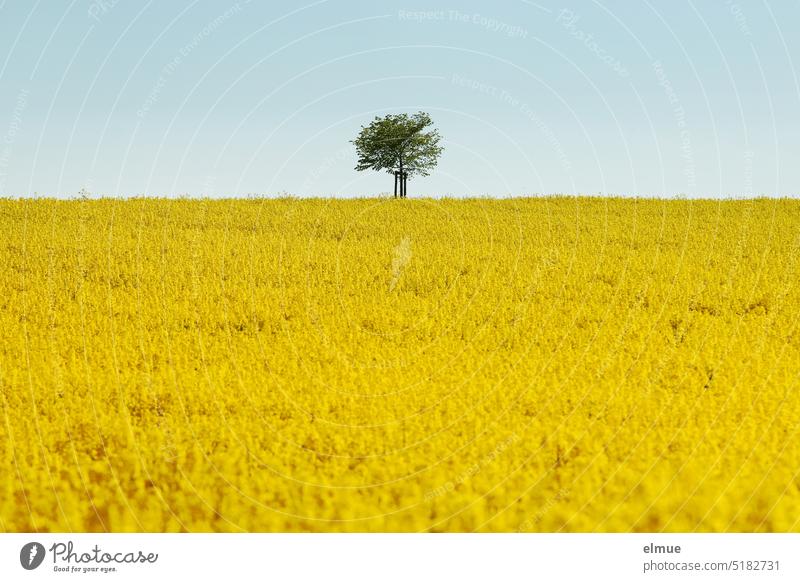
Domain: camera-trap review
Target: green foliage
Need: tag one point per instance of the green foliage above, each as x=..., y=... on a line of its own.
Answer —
x=399, y=142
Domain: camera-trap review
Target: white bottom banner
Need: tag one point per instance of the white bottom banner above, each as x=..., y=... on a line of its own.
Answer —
x=417, y=557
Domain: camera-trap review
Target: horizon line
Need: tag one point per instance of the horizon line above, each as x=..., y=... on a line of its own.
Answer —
x=381, y=196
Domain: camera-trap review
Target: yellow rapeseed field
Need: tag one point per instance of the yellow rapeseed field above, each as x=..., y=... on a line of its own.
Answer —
x=543, y=364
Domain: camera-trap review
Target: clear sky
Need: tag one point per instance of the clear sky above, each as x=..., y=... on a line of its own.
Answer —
x=227, y=99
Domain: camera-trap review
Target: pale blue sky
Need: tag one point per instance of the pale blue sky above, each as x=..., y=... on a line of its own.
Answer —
x=227, y=99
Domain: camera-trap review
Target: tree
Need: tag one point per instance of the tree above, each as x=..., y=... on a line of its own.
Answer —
x=400, y=145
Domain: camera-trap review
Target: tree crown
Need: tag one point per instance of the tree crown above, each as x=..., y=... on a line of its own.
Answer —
x=399, y=141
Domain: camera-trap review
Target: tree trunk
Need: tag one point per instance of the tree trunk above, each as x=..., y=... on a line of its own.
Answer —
x=402, y=179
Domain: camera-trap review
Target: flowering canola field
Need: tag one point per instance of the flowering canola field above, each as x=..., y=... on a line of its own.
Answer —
x=550, y=364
